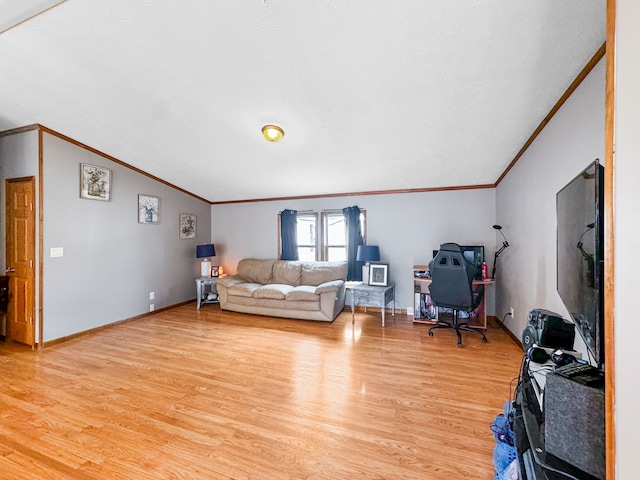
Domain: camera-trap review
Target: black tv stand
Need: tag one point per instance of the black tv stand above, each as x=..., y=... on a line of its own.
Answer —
x=528, y=425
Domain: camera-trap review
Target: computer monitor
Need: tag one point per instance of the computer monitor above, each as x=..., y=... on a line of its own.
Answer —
x=474, y=254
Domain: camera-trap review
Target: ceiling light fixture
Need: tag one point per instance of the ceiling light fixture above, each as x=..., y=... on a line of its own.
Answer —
x=273, y=133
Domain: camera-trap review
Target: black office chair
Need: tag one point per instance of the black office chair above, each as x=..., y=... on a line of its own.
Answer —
x=452, y=287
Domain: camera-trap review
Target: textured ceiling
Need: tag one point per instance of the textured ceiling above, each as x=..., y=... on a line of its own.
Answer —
x=372, y=95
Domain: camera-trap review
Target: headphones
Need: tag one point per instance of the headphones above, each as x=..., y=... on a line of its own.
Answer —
x=558, y=357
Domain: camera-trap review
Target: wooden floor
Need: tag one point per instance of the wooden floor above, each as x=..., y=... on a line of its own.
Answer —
x=188, y=394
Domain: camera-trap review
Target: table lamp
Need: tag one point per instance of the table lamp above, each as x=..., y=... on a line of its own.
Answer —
x=367, y=254
x=205, y=251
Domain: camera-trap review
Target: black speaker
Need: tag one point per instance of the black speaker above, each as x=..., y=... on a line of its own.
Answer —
x=548, y=329
x=574, y=423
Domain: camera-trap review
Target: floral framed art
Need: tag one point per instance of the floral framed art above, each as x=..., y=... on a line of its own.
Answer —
x=95, y=182
x=187, y=225
x=148, y=209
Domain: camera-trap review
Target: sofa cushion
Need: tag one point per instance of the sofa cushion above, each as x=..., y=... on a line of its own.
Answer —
x=256, y=271
x=244, y=289
x=274, y=290
x=316, y=273
x=287, y=272
x=302, y=293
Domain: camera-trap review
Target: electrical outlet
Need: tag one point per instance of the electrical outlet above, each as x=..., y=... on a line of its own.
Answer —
x=152, y=295
x=511, y=313
x=152, y=307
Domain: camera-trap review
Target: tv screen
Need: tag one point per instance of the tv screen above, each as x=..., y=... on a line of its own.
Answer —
x=580, y=248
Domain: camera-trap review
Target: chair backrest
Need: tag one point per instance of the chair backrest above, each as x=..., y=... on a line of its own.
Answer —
x=451, y=279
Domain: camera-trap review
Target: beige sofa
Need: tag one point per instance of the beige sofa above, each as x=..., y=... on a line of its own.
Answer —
x=281, y=288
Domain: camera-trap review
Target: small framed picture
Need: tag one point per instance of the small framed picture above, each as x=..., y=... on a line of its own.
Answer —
x=148, y=209
x=95, y=182
x=378, y=274
x=187, y=225
x=215, y=271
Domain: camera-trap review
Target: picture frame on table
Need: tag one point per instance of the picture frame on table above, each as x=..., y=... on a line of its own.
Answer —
x=188, y=224
x=95, y=182
x=215, y=271
x=378, y=274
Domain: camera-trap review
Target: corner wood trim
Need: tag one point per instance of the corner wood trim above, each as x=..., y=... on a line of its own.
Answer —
x=110, y=325
x=119, y=162
x=515, y=339
x=572, y=88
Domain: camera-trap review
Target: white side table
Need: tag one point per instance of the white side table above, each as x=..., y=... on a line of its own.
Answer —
x=202, y=294
x=365, y=295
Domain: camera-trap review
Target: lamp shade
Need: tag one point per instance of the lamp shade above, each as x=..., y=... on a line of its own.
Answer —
x=206, y=250
x=368, y=253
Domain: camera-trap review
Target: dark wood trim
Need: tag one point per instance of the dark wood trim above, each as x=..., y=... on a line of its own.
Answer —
x=32, y=16
x=356, y=194
x=581, y=76
x=40, y=240
x=609, y=252
x=119, y=162
x=515, y=339
x=15, y=131
x=113, y=324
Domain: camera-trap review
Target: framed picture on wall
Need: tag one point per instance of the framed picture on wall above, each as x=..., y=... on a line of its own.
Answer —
x=95, y=182
x=148, y=209
x=187, y=225
x=378, y=273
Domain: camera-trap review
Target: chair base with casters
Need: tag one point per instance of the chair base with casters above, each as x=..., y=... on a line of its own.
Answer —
x=458, y=327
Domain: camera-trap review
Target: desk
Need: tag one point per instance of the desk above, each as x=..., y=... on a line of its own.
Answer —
x=422, y=297
x=365, y=295
x=200, y=290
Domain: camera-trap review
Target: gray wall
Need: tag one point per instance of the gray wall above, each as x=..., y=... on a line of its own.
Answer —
x=406, y=227
x=627, y=235
x=18, y=158
x=111, y=262
x=526, y=201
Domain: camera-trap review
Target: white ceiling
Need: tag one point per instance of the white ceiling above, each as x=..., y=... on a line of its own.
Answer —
x=372, y=95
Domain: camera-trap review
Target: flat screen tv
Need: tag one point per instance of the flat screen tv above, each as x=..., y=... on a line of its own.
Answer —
x=580, y=260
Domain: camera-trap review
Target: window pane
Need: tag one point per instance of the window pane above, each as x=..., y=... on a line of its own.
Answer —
x=307, y=254
x=336, y=234
x=336, y=254
x=307, y=231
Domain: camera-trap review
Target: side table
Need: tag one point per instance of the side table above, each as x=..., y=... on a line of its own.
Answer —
x=365, y=295
x=202, y=295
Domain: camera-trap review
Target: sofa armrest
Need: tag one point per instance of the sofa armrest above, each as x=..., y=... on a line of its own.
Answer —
x=332, y=286
x=230, y=281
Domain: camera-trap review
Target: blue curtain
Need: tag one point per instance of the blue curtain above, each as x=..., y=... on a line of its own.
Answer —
x=354, y=238
x=289, y=234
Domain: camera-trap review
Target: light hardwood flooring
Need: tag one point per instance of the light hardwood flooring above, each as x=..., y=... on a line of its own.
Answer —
x=188, y=394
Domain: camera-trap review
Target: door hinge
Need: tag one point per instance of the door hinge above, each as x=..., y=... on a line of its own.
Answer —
x=31, y=206
x=30, y=263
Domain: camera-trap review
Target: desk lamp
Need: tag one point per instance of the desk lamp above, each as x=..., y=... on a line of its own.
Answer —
x=205, y=251
x=505, y=244
x=367, y=254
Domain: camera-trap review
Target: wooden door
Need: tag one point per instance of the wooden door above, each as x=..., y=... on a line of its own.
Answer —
x=20, y=259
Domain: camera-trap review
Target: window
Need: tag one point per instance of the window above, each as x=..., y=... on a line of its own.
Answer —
x=324, y=240
x=307, y=236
